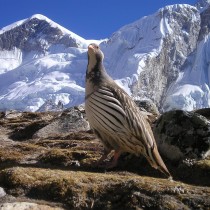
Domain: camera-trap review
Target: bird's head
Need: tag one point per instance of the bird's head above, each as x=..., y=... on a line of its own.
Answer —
x=95, y=55
x=95, y=69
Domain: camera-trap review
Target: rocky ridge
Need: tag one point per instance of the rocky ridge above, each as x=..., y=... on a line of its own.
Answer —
x=36, y=34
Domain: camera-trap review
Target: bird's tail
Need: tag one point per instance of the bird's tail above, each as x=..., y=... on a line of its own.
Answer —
x=156, y=161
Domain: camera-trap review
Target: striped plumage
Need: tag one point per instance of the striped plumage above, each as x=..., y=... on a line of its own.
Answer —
x=114, y=116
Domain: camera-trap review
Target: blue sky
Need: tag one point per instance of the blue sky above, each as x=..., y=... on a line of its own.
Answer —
x=91, y=19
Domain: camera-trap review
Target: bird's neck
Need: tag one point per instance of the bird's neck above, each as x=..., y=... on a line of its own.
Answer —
x=95, y=75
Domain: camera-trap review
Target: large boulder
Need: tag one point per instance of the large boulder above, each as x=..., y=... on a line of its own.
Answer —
x=181, y=134
x=70, y=120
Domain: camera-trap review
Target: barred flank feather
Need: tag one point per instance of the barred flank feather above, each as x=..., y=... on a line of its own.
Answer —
x=114, y=116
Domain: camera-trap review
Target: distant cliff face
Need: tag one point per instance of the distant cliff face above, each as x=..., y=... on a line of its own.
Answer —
x=202, y=4
x=34, y=35
x=162, y=70
x=191, y=89
x=155, y=48
x=205, y=23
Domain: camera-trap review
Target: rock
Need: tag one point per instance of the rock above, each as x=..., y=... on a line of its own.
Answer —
x=181, y=134
x=2, y=192
x=27, y=206
x=148, y=109
x=12, y=114
x=204, y=31
x=71, y=120
x=204, y=112
x=25, y=125
x=50, y=105
x=148, y=106
x=184, y=139
x=25, y=36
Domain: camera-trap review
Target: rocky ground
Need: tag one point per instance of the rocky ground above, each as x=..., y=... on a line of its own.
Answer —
x=47, y=161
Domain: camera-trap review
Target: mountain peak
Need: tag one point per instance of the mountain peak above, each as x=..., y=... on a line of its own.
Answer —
x=202, y=4
x=51, y=22
x=40, y=17
x=21, y=22
x=37, y=33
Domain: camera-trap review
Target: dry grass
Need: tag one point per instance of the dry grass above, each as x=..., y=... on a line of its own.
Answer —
x=86, y=190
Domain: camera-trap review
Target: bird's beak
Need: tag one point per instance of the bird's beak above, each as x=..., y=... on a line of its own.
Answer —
x=91, y=48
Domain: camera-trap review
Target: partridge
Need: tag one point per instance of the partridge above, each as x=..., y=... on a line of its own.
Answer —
x=115, y=117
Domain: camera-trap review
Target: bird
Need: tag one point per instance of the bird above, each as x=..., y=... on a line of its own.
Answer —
x=114, y=116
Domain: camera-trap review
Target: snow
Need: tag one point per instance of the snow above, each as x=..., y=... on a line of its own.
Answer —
x=56, y=76
x=191, y=90
x=29, y=80
x=98, y=42
x=124, y=84
x=187, y=97
x=128, y=48
x=64, y=30
x=10, y=60
x=11, y=26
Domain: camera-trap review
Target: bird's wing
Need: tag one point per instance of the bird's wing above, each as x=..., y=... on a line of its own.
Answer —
x=133, y=122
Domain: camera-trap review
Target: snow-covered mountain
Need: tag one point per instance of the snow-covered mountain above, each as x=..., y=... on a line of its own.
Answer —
x=164, y=57
x=40, y=61
x=191, y=88
x=150, y=52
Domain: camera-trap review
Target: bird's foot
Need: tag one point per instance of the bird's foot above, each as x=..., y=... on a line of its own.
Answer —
x=102, y=161
x=110, y=164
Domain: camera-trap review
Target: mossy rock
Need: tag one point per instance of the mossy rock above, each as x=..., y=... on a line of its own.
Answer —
x=65, y=157
x=86, y=190
x=204, y=164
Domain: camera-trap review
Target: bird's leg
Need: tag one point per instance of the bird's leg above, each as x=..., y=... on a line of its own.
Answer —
x=103, y=157
x=114, y=161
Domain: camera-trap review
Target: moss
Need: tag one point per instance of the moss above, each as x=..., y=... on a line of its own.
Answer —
x=32, y=115
x=85, y=190
x=72, y=144
x=81, y=135
x=17, y=154
x=80, y=189
x=55, y=157
x=8, y=157
x=65, y=157
x=27, y=147
x=204, y=165
x=27, y=131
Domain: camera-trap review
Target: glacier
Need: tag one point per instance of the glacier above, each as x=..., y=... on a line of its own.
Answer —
x=163, y=57
x=191, y=89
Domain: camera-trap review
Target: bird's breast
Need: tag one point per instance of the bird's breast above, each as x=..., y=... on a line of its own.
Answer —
x=104, y=110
